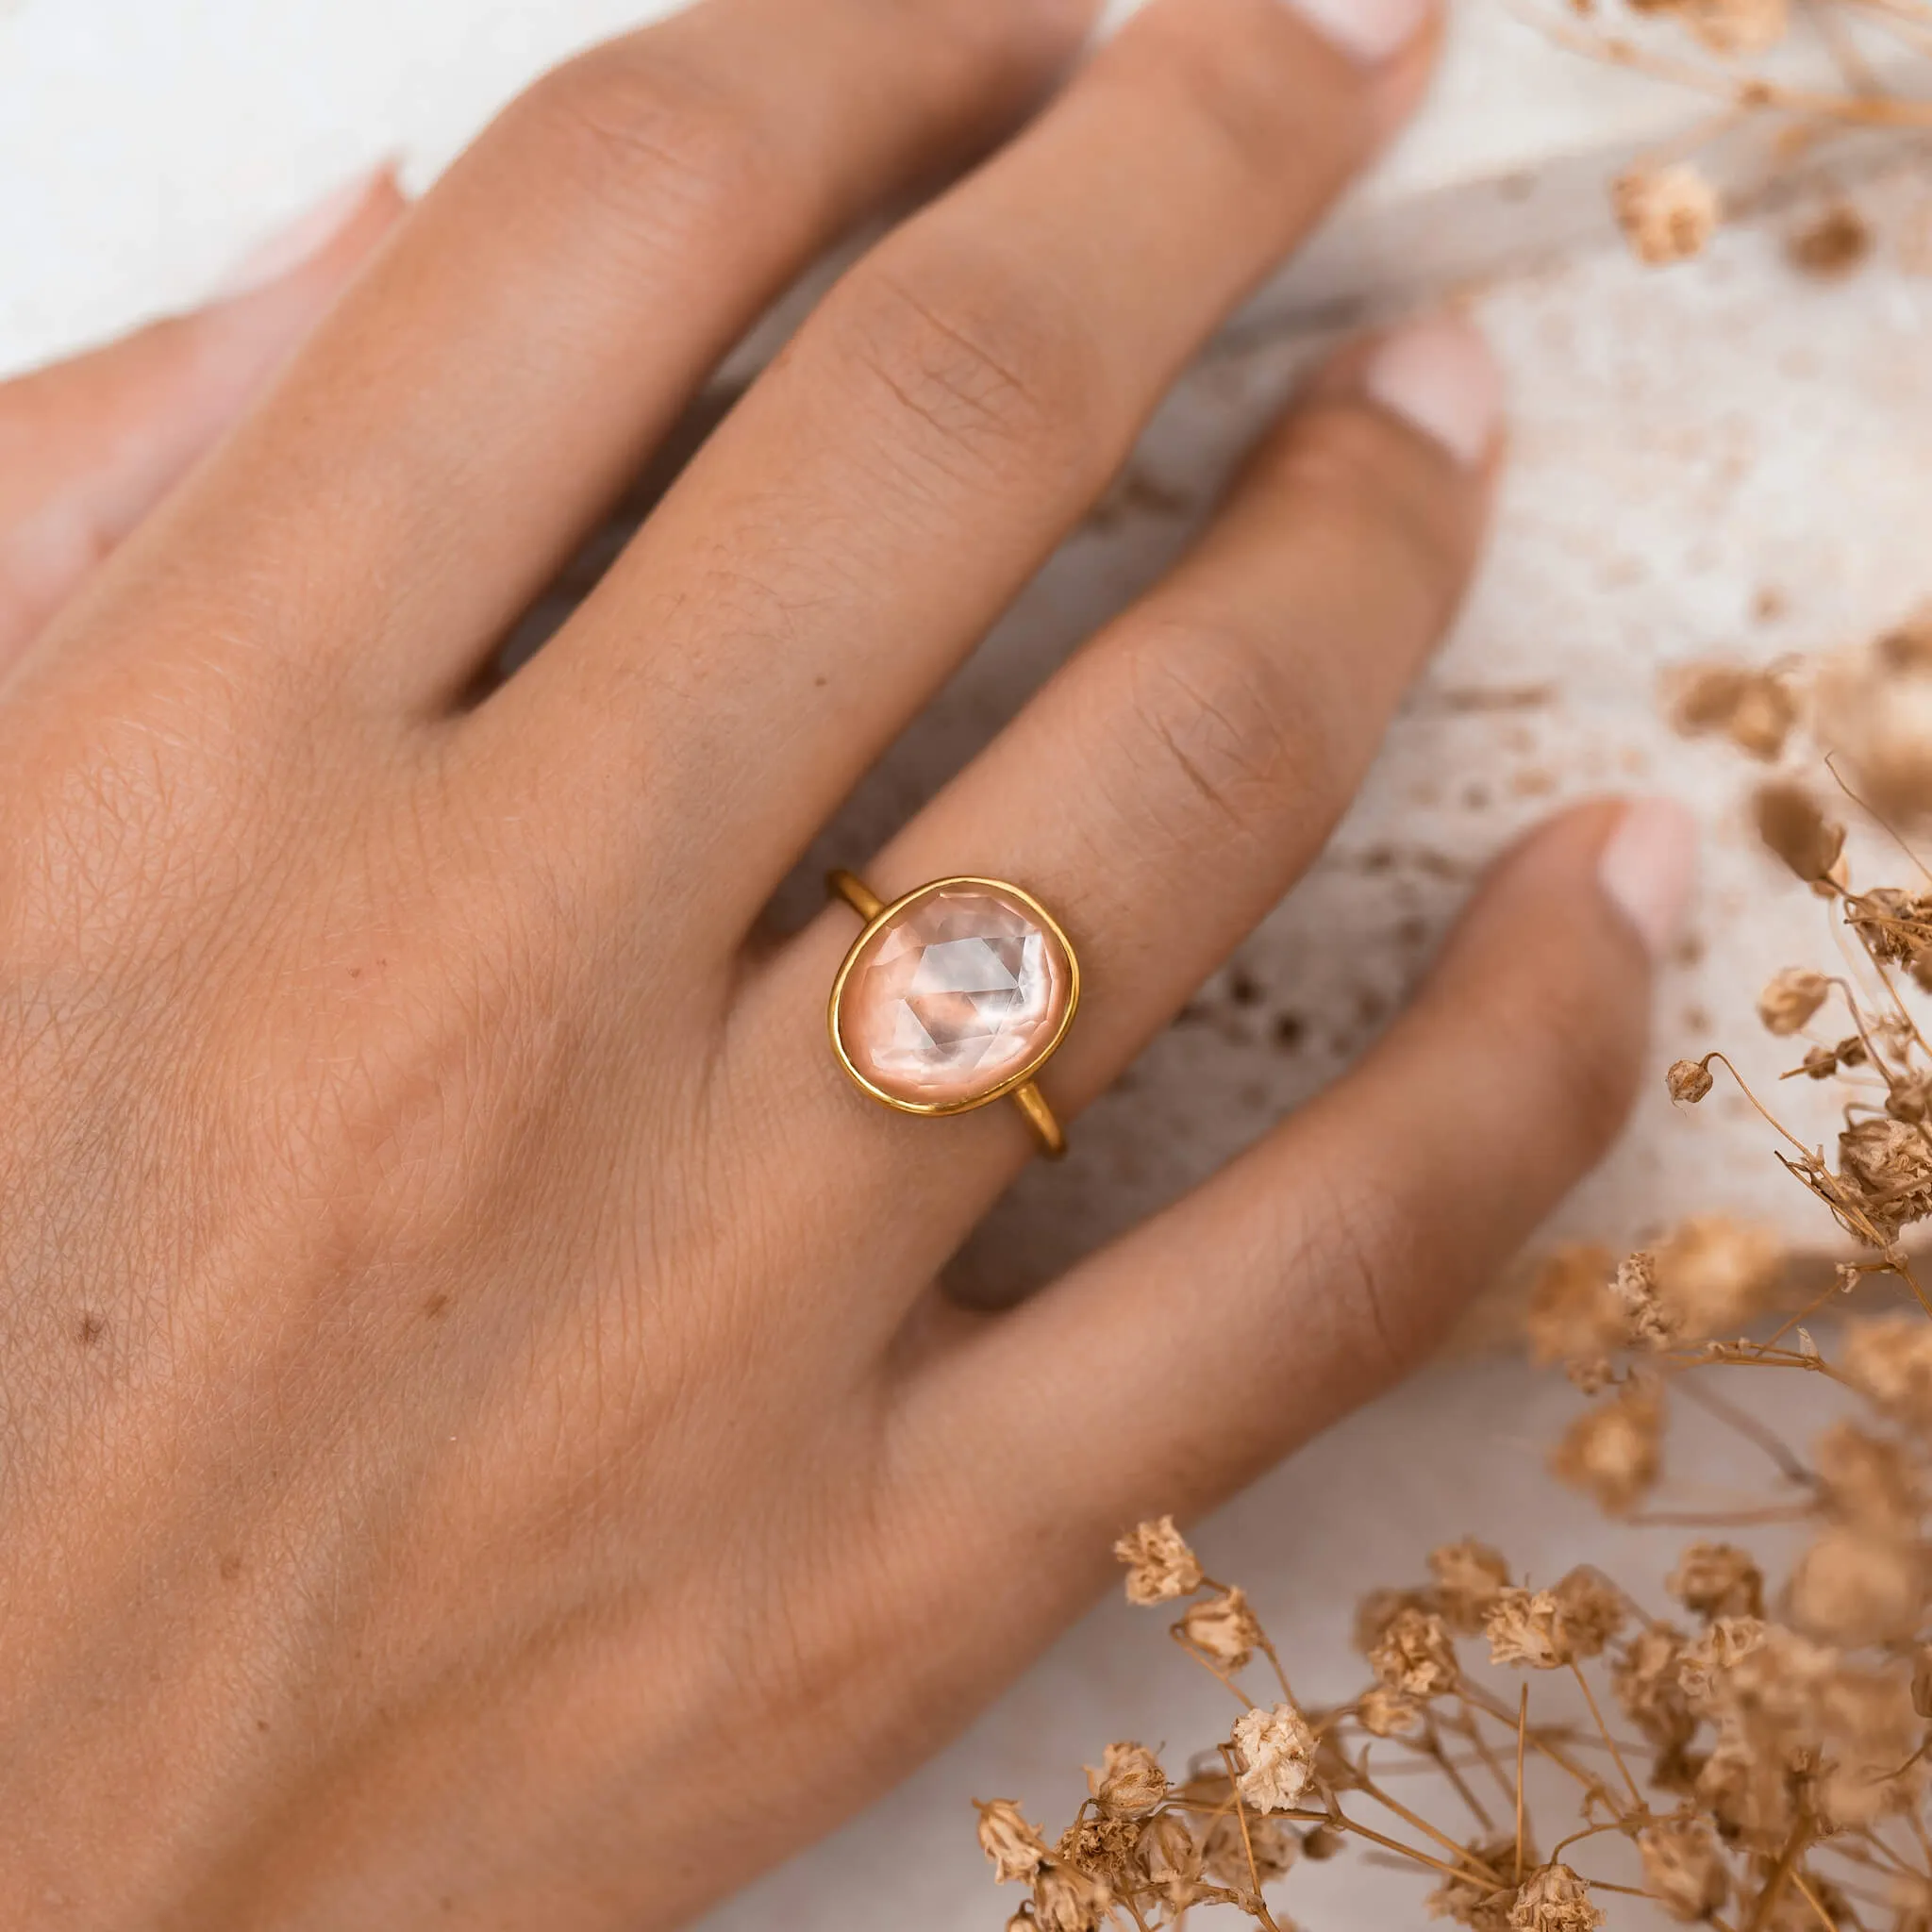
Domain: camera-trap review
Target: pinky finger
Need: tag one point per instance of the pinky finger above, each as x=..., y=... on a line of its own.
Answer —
x=1167, y=1370
x=89, y=446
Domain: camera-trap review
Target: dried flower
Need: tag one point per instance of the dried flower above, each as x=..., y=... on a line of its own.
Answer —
x=1705, y=1665
x=1688, y=1081
x=1227, y=1851
x=1379, y=1608
x=1886, y=1167
x=1590, y=1613
x=1160, y=1566
x=1754, y=709
x=1718, y=1580
x=1553, y=1900
x=1224, y=1628
x=1728, y=27
x=1130, y=1783
x=1684, y=1867
x=1648, y=1685
x=1644, y=1313
x=1016, y=1849
x=1890, y=1362
x=1470, y=1576
x=1278, y=1755
x=1667, y=214
x=1068, y=1900
x=1614, y=1450
x=1791, y=823
x=1416, y=1655
x=1385, y=1713
x=1868, y=1481
x=1473, y=1900
x=1854, y=1586
x=1169, y=1858
x=1788, y=1003
x=1875, y=705
x=1571, y=1311
x=1713, y=1274
x=1523, y=1629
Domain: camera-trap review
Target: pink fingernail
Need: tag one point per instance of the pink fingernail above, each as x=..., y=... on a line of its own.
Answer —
x=1439, y=377
x=1371, y=31
x=304, y=237
x=1647, y=869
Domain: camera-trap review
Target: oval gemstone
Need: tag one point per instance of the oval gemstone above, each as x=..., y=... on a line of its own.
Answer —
x=957, y=991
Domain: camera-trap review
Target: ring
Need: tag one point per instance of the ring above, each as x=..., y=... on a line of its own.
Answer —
x=953, y=997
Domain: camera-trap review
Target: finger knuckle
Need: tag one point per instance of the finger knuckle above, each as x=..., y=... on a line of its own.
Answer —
x=1343, y=468
x=1212, y=731
x=981, y=373
x=666, y=149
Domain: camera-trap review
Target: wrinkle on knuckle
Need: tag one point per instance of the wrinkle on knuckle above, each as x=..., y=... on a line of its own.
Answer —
x=665, y=150
x=984, y=375
x=1209, y=723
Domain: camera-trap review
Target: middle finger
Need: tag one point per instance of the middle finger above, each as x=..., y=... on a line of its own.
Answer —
x=931, y=435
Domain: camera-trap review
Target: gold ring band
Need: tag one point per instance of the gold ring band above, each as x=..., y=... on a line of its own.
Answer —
x=954, y=996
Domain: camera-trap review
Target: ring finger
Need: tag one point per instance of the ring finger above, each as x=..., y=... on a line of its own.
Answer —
x=1161, y=791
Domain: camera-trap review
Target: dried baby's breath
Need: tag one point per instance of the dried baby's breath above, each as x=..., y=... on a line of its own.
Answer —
x=1762, y=1766
x=1667, y=214
x=1160, y=1566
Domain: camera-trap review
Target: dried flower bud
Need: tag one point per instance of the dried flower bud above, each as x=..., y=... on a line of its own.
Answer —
x=1523, y=1629
x=1820, y=1062
x=1271, y=1846
x=1385, y=1713
x=1717, y=1580
x=1553, y=1900
x=1684, y=1867
x=1023, y=1921
x=1890, y=1362
x=1016, y=1849
x=1614, y=1451
x=1068, y=1900
x=1727, y=27
x=1469, y=1577
x=1130, y=1783
x=1278, y=1755
x=1704, y=1665
x=1791, y=823
x=1321, y=1842
x=1374, y=1612
x=1170, y=1859
x=1667, y=214
x=1909, y=1096
x=1160, y=1566
x=1416, y=1655
x=1571, y=1311
x=1793, y=996
x=1224, y=1628
x=1688, y=1081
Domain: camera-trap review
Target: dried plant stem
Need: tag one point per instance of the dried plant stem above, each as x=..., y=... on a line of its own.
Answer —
x=1522, y=1740
x=1457, y=1782
x=1811, y=1899
x=1750, y=1428
x=1241, y=1814
x=1589, y=1698
x=1480, y=1866
x=1775, y=1885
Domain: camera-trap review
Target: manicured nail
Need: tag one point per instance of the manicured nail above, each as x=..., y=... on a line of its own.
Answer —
x=1648, y=867
x=1439, y=377
x=1370, y=31
x=304, y=237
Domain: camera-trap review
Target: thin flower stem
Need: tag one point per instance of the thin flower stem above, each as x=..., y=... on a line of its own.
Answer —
x=1428, y=1830
x=1207, y=1664
x=1344, y=1822
x=1751, y=1429
x=1522, y=1739
x=1589, y=1698
x=1696, y=1519
x=1241, y=1815
x=1775, y=1885
x=1812, y=1900
x=1457, y=1782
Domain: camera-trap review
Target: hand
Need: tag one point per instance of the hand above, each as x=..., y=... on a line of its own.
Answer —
x=482, y=1443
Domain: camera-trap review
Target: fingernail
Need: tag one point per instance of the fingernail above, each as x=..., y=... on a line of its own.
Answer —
x=304, y=237
x=1370, y=31
x=1648, y=867
x=1439, y=377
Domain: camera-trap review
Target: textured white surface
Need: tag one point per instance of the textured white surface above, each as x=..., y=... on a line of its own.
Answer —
x=1682, y=445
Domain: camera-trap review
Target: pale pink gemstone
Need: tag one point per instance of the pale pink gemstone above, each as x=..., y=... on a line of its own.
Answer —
x=953, y=996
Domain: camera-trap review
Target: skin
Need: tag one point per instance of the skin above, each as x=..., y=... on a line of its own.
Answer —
x=481, y=1443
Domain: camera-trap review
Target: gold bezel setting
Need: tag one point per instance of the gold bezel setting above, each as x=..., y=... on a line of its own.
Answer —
x=876, y=915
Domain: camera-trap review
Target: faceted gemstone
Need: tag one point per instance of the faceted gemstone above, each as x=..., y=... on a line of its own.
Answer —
x=954, y=994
